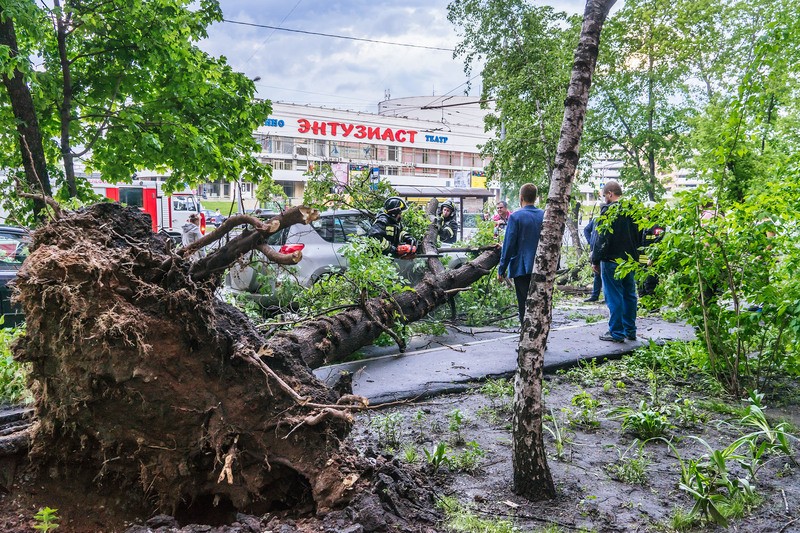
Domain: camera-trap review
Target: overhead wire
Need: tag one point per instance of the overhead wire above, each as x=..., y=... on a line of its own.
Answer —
x=273, y=32
x=332, y=35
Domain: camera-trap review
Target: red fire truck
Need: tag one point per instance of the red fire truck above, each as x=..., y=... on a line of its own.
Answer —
x=167, y=213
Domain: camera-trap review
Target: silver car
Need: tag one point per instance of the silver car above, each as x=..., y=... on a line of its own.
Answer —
x=320, y=242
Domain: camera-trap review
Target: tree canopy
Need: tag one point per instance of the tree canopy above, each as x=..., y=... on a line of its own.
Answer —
x=120, y=86
x=527, y=50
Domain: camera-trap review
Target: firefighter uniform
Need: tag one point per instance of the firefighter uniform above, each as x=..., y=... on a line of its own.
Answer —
x=391, y=234
x=448, y=227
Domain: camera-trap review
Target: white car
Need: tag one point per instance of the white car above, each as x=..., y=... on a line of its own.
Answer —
x=320, y=243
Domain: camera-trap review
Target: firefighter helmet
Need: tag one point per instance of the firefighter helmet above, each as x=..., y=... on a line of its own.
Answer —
x=449, y=204
x=394, y=204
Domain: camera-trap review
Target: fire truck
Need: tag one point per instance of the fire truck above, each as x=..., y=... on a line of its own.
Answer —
x=167, y=213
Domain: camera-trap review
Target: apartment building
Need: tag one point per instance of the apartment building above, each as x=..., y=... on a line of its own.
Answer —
x=408, y=151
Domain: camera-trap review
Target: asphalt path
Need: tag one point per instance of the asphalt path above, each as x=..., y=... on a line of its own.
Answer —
x=454, y=362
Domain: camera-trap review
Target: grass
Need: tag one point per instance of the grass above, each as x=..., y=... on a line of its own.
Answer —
x=462, y=519
x=223, y=206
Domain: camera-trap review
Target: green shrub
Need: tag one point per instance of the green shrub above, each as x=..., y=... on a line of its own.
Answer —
x=13, y=375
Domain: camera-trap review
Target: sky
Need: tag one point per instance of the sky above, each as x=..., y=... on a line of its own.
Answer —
x=343, y=73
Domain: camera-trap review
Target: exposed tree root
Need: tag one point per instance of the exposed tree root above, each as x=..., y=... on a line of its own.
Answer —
x=145, y=381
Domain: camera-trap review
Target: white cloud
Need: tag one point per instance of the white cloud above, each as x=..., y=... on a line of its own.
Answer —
x=316, y=70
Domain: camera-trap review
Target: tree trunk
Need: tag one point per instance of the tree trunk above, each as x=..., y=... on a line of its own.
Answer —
x=146, y=380
x=62, y=24
x=30, y=138
x=574, y=232
x=532, y=478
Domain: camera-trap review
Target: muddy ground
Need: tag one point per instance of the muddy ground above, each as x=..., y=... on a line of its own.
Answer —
x=475, y=468
x=590, y=495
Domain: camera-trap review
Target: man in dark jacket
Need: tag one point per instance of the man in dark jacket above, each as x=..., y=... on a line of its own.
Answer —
x=448, y=227
x=520, y=243
x=389, y=230
x=616, y=243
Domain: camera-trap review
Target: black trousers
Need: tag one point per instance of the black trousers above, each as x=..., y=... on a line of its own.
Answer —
x=521, y=286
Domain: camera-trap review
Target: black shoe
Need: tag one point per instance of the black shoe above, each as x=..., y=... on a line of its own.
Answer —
x=591, y=299
x=608, y=337
x=631, y=337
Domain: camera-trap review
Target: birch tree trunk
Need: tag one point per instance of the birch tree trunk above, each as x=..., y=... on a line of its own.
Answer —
x=532, y=478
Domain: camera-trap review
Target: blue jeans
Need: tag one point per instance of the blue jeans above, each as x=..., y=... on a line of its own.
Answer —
x=621, y=301
x=597, y=286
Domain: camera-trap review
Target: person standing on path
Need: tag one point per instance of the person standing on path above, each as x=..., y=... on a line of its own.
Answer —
x=590, y=232
x=519, y=245
x=616, y=243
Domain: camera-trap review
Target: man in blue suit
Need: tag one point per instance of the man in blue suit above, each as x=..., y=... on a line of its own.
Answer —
x=520, y=243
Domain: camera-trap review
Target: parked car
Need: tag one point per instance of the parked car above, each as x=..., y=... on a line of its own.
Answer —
x=321, y=243
x=212, y=218
x=13, y=251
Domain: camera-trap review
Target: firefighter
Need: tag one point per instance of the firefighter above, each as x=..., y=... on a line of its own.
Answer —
x=446, y=222
x=388, y=229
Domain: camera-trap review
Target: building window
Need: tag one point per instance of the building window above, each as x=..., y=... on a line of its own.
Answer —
x=370, y=152
x=288, y=188
x=389, y=171
x=282, y=164
x=263, y=141
x=287, y=146
x=394, y=153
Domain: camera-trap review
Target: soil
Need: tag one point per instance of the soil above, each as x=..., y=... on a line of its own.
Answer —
x=409, y=493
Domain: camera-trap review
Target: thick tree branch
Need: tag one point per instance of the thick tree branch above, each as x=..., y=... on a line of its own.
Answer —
x=250, y=239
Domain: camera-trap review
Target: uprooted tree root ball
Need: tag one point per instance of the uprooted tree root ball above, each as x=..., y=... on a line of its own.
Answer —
x=148, y=385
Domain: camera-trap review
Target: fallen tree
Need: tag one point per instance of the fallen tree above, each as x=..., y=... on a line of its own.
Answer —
x=144, y=379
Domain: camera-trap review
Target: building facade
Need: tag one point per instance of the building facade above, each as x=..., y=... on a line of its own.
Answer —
x=406, y=151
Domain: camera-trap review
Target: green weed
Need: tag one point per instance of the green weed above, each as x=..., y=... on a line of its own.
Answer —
x=46, y=520
x=586, y=414
x=457, y=421
x=388, y=429
x=644, y=422
x=631, y=469
x=559, y=439
x=438, y=457
x=410, y=454
x=469, y=459
x=462, y=519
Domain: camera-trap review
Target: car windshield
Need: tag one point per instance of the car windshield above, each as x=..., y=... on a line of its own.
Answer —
x=13, y=248
x=338, y=228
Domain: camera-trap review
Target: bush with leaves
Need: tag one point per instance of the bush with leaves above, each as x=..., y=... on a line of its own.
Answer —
x=733, y=270
x=369, y=274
